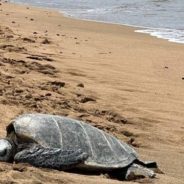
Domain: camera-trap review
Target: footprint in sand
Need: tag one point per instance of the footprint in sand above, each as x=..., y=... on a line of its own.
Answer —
x=45, y=41
x=81, y=85
x=12, y=48
x=85, y=99
x=40, y=58
x=76, y=72
x=52, y=85
x=110, y=116
x=44, y=69
x=31, y=66
x=29, y=40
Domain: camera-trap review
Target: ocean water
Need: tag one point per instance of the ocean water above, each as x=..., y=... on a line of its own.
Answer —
x=161, y=18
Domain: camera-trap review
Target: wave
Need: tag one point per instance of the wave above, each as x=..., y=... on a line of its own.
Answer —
x=172, y=35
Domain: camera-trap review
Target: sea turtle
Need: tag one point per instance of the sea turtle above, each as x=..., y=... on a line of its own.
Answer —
x=58, y=142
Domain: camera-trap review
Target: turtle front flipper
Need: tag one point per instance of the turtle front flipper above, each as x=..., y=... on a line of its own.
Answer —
x=54, y=158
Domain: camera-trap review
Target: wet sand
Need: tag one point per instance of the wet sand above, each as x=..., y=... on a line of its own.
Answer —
x=128, y=84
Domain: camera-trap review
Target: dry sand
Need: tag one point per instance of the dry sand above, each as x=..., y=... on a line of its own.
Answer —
x=104, y=74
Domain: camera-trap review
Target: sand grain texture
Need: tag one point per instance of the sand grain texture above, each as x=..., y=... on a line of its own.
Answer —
x=126, y=83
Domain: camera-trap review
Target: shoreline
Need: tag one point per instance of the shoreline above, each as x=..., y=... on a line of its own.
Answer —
x=137, y=29
x=140, y=29
x=95, y=72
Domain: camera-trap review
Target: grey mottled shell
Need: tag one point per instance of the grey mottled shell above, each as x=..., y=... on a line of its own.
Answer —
x=105, y=151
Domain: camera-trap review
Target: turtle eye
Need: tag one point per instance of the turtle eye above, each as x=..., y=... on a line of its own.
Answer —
x=3, y=152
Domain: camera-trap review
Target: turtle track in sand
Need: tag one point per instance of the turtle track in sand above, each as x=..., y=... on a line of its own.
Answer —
x=48, y=93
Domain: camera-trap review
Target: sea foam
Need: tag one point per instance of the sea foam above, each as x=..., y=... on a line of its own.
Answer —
x=172, y=35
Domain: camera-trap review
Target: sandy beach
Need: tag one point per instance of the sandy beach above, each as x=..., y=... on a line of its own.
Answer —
x=125, y=83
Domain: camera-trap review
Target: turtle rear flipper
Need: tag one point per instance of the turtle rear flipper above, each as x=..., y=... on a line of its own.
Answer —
x=54, y=158
x=147, y=164
x=136, y=171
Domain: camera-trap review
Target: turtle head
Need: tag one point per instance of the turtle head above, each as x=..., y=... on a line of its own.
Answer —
x=6, y=150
